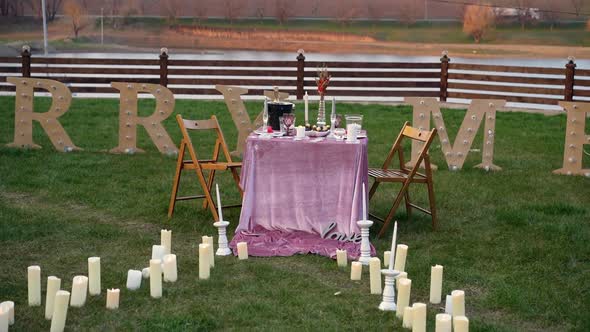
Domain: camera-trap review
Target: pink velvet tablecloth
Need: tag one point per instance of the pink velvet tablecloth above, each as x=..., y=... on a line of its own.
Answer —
x=301, y=196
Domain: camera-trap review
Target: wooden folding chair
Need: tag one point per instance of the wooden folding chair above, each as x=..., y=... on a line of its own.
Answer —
x=199, y=165
x=406, y=175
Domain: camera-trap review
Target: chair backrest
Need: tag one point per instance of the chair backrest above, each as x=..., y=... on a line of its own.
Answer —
x=209, y=124
x=411, y=133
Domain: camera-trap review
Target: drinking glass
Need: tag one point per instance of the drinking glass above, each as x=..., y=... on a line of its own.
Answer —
x=355, y=119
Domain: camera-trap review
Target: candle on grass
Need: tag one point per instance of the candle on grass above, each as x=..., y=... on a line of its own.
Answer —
x=113, y=298
x=170, y=269
x=400, y=276
x=60, y=311
x=145, y=273
x=400, y=257
x=408, y=316
x=419, y=317
x=443, y=323
x=166, y=240
x=34, y=285
x=219, y=212
x=94, y=275
x=53, y=285
x=341, y=257
x=155, y=278
x=449, y=305
x=4, y=319
x=393, y=240
x=9, y=306
x=375, y=275
x=209, y=240
x=403, y=296
x=436, y=277
x=356, y=270
x=386, y=258
x=242, y=250
x=133, y=279
x=79, y=291
x=204, y=266
x=306, y=102
x=461, y=324
x=158, y=252
x=458, y=300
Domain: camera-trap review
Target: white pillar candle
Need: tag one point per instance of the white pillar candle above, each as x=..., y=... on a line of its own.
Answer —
x=4, y=319
x=145, y=273
x=156, y=278
x=449, y=305
x=166, y=240
x=443, y=323
x=209, y=240
x=408, y=316
x=403, y=296
x=79, y=291
x=94, y=275
x=399, y=277
x=158, y=252
x=393, y=241
x=306, y=102
x=60, y=311
x=419, y=317
x=375, y=275
x=9, y=306
x=400, y=257
x=133, y=279
x=436, y=278
x=170, y=270
x=34, y=285
x=53, y=285
x=242, y=250
x=461, y=324
x=113, y=298
x=458, y=300
x=341, y=258
x=386, y=258
x=356, y=270
x=204, y=266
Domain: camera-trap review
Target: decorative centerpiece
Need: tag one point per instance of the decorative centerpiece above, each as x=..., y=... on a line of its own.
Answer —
x=322, y=82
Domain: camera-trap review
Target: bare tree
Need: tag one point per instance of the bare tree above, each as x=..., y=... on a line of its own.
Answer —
x=233, y=9
x=478, y=20
x=51, y=7
x=551, y=14
x=577, y=5
x=77, y=12
x=283, y=10
x=346, y=11
x=523, y=12
x=260, y=9
x=8, y=8
x=407, y=11
x=171, y=9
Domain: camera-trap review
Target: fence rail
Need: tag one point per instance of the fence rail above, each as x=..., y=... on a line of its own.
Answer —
x=444, y=79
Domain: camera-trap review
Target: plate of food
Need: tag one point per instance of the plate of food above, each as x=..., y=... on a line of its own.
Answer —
x=317, y=131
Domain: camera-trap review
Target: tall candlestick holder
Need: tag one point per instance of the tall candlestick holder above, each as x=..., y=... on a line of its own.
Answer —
x=388, y=303
x=364, y=225
x=222, y=249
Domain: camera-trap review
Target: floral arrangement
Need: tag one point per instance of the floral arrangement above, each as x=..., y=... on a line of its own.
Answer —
x=323, y=80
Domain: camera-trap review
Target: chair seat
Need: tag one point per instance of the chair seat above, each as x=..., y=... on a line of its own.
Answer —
x=394, y=175
x=210, y=164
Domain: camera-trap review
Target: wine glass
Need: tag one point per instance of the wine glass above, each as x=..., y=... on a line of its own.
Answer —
x=288, y=121
x=265, y=116
x=338, y=121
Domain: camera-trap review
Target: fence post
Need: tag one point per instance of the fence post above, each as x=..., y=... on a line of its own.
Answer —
x=444, y=76
x=26, y=61
x=570, y=72
x=300, y=73
x=164, y=66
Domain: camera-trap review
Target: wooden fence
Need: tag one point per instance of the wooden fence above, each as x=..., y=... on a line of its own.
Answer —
x=360, y=80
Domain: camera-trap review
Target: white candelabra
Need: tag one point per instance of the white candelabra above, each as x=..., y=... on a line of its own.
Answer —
x=388, y=303
x=364, y=225
x=222, y=249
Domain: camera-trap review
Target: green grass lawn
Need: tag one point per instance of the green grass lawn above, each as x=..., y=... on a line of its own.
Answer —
x=516, y=241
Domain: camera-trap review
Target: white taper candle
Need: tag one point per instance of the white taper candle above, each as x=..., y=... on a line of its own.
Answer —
x=393, y=240
x=306, y=102
x=34, y=285
x=218, y=203
x=365, y=217
x=53, y=285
